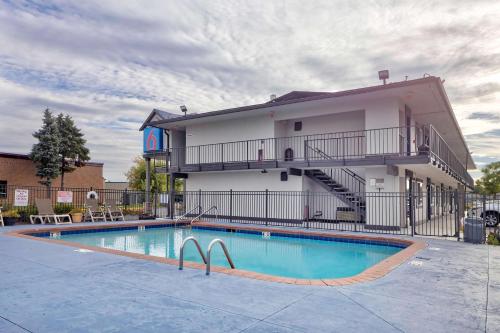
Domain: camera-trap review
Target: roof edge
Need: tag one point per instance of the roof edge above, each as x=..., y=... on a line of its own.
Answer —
x=325, y=95
x=27, y=157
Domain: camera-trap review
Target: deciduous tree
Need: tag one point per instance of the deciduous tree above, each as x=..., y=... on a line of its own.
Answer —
x=489, y=183
x=136, y=176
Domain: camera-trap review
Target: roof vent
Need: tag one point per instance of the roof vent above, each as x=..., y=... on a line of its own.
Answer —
x=383, y=75
x=273, y=97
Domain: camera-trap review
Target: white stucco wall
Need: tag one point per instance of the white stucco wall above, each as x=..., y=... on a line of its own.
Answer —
x=290, y=206
x=252, y=180
x=245, y=128
x=385, y=206
x=231, y=132
x=332, y=145
x=337, y=122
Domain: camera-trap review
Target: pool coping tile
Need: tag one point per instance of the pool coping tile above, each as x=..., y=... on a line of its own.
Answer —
x=409, y=249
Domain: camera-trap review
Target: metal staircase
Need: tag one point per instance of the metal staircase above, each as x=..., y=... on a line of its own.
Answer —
x=345, y=184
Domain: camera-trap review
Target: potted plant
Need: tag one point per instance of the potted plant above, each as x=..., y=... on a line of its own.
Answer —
x=76, y=215
x=10, y=217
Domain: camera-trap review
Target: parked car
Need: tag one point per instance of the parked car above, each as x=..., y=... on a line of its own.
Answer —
x=491, y=212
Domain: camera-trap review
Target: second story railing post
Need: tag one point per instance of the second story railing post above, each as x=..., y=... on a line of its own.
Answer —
x=343, y=148
x=248, y=163
x=431, y=139
x=199, y=155
x=306, y=150
x=222, y=155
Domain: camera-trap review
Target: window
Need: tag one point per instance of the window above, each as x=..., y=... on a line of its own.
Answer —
x=297, y=126
x=3, y=189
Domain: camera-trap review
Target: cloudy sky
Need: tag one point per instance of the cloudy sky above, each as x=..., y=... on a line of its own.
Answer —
x=109, y=63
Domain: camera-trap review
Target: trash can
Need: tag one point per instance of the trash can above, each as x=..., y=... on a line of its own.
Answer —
x=474, y=230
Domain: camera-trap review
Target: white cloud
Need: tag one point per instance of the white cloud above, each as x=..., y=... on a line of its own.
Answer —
x=109, y=63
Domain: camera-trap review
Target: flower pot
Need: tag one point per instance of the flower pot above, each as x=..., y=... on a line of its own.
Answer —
x=77, y=217
x=7, y=221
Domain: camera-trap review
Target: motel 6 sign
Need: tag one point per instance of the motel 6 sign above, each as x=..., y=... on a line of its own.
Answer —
x=153, y=139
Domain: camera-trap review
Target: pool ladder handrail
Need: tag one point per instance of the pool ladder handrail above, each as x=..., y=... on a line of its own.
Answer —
x=185, y=214
x=181, y=256
x=224, y=248
x=206, y=259
x=203, y=213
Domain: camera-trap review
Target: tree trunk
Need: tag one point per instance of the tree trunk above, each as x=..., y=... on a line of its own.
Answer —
x=62, y=180
x=62, y=172
x=49, y=194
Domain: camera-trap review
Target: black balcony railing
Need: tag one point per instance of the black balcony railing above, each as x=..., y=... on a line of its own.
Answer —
x=341, y=146
x=444, y=156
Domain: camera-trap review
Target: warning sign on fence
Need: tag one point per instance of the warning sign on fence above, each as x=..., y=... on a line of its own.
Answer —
x=21, y=197
x=64, y=196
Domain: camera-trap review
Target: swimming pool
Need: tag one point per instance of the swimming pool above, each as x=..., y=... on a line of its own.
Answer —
x=289, y=255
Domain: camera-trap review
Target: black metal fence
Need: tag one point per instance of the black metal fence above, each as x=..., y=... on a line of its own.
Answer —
x=21, y=199
x=439, y=213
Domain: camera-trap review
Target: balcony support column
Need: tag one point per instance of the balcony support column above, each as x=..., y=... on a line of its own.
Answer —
x=171, y=195
x=148, y=185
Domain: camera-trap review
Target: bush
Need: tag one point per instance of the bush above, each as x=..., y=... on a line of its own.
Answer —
x=11, y=213
x=77, y=211
x=62, y=209
x=493, y=239
x=132, y=211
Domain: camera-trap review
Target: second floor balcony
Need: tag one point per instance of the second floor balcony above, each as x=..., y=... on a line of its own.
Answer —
x=395, y=145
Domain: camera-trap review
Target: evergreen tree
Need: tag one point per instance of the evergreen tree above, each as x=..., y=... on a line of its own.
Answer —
x=45, y=153
x=72, y=150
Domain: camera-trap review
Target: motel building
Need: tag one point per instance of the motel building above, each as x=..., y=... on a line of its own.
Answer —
x=391, y=155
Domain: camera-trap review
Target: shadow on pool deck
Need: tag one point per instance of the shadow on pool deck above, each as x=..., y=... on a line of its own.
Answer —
x=51, y=288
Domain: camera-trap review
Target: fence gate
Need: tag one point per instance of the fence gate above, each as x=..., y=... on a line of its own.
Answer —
x=436, y=212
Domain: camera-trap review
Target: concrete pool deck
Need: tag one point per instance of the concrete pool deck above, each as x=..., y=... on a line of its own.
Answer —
x=45, y=287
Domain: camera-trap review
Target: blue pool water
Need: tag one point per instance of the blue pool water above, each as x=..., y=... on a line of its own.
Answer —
x=275, y=255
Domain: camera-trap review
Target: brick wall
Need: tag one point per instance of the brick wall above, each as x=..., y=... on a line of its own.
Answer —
x=20, y=170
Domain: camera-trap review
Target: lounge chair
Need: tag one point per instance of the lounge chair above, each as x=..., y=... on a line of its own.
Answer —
x=115, y=212
x=94, y=211
x=46, y=213
x=1, y=218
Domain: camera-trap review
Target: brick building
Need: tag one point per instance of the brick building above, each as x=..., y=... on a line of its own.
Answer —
x=18, y=169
